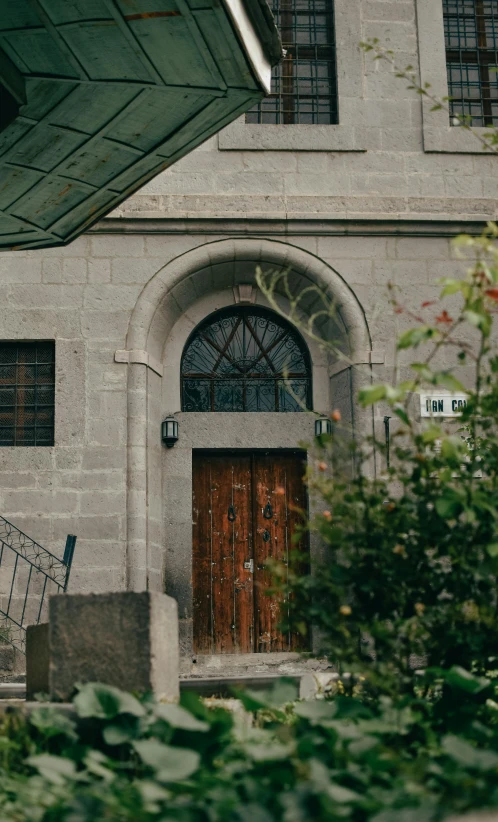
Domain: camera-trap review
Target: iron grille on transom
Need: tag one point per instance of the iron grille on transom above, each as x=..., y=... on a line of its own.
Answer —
x=304, y=86
x=471, y=33
x=27, y=389
x=245, y=359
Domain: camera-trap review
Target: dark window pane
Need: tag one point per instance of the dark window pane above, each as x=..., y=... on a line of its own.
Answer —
x=471, y=34
x=6, y=435
x=7, y=396
x=308, y=36
x=27, y=393
x=245, y=359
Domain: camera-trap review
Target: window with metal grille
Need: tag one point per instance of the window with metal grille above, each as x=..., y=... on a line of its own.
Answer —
x=304, y=85
x=471, y=35
x=245, y=359
x=27, y=392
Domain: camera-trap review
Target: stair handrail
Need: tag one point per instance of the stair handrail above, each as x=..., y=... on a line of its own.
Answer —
x=52, y=567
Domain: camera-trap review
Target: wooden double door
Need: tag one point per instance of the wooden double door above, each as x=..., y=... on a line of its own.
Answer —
x=245, y=511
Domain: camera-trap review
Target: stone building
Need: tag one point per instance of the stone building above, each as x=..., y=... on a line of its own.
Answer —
x=346, y=179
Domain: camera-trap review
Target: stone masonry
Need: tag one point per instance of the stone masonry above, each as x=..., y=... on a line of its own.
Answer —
x=372, y=200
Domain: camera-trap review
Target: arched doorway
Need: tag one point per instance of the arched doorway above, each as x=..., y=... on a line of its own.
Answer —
x=180, y=296
x=247, y=504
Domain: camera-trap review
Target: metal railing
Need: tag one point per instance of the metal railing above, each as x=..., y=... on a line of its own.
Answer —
x=28, y=573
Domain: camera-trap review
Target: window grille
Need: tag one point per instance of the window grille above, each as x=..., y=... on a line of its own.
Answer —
x=471, y=34
x=27, y=393
x=245, y=359
x=304, y=85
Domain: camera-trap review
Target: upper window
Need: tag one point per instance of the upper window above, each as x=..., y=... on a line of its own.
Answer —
x=245, y=359
x=27, y=391
x=304, y=86
x=471, y=34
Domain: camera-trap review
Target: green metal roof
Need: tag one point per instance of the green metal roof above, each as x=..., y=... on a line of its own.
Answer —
x=99, y=96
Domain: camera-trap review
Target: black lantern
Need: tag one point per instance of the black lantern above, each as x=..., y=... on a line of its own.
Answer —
x=169, y=431
x=323, y=425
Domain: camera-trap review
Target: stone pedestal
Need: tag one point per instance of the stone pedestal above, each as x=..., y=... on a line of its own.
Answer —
x=129, y=640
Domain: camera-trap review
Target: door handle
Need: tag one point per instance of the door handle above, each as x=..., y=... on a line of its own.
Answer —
x=231, y=513
x=268, y=512
x=266, y=535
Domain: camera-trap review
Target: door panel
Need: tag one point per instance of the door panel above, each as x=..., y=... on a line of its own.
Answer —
x=242, y=515
x=222, y=543
x=278, y=489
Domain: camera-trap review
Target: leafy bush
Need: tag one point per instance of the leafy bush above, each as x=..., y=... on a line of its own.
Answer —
x=409, y=577
x=119, y=758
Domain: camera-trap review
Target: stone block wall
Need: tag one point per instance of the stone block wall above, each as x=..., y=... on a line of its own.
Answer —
x=80, y=485
x=371, y=198
x=381, y=161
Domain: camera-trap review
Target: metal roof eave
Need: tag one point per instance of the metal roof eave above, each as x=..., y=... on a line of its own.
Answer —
x=114, y=94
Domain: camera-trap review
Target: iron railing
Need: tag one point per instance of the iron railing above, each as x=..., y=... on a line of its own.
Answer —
x=28, y=573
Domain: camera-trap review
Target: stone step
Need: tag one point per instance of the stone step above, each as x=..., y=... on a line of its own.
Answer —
x=236, y=665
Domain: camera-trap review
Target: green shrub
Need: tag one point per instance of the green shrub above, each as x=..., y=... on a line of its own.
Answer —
x=120, y=758
x=409, y=574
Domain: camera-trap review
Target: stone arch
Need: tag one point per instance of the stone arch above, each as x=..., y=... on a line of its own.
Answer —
x=232, y=261
x=173, y=292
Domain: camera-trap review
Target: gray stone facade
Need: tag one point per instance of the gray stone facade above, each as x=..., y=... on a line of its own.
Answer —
x=349, y=207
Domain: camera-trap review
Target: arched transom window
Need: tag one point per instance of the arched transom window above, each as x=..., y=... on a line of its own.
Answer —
x=245, y=359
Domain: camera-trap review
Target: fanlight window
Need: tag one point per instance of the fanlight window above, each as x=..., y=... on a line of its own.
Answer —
x=245, y=359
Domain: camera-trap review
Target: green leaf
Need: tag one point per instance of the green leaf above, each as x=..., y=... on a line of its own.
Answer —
x=171, y=764
x=178, y=717
x=361, y=746
x=492, y=549
x=446, y=379
x=56, y=769
x=105, y=702
x=449, y=504
x=342, y=795
x=118, y=734
x=458, y=677
x=151, y=791
x=100, y=765
x=451, y=286
x=281, y=693
x=401, y=413
x=432, y=433
x=320, y=776
x=414, y=336
x=453, y=448
x=476, y=318
x=467, y=755
x=268, y=752
x=52, y=723
x=374, y=393
x=394, y=394
x=423, y=370
x=316, y=711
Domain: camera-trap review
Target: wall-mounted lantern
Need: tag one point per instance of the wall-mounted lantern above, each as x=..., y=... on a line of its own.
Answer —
x=169, y=431
x=323, y=425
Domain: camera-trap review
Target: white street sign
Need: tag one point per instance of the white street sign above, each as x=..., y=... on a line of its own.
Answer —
x=442, y=405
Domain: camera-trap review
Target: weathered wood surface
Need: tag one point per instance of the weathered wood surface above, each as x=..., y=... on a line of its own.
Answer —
x=245, y=511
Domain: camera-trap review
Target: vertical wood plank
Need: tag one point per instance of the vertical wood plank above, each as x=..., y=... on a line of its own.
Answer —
x=273, y=474
x=223, y=588
x=296, y=501
x=243, y=554
x=201, y=555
